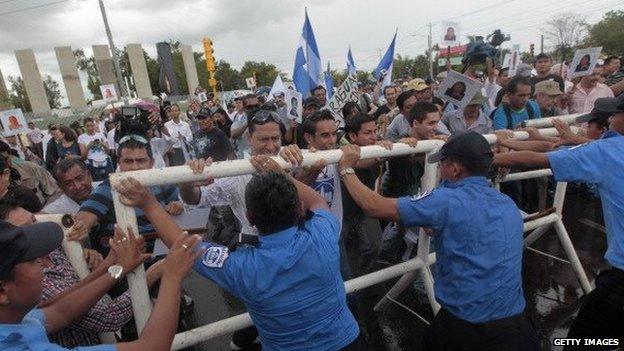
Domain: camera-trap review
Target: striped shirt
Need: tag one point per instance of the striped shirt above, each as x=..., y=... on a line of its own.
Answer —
x=100, y=203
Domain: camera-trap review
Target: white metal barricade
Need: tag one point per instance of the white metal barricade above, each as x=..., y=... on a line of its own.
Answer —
x=407, y=270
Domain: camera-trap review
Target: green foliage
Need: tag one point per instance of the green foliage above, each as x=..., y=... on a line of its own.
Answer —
x=53, y=92
x=19, y=98
x=608, y=33
x=407, y=67
x=87, y=65
x=229, y=78
x=265, y=72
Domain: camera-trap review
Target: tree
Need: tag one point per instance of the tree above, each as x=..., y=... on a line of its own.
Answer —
x=228, y=77
x=565, y=31
x=87, y=65
x=406, y=67
x=53, y=92
x=608, y=33
x=17, y=95
x=265, y=72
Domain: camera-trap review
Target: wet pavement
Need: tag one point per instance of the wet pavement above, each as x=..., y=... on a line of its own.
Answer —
x=552, y=291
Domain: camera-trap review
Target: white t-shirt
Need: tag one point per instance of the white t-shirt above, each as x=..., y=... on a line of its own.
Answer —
x=160, y=146
x=110, y=136
x=327, y=184
x=96, y=152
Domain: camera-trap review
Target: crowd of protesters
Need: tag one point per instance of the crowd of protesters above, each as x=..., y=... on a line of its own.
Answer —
x=284, y=242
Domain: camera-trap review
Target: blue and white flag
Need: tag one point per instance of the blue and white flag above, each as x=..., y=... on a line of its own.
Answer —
x=329, y=82
x=308, y=71
x=383, y=72
x=350, y=64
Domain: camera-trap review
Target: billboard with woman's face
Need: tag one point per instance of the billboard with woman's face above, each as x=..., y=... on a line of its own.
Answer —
x=449, y=34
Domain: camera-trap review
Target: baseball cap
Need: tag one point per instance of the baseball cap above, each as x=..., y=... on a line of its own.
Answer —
x=524, y=70
x=603, y=108
x=477, y=99
x=468, y=145
x=548, y=87
x=311, y=101
x=26, y=243
x=417, y=84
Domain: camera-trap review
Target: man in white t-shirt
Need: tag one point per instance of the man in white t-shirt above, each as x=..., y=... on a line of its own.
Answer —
x=180, y=133
x=74, y=178
x=94, y=150
x=35, y=136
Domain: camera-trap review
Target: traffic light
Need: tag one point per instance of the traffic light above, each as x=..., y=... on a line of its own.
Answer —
x=532, y=49
x=211, y=64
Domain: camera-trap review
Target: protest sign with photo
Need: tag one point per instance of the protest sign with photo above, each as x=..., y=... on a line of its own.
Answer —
x=513, y=60
x=13, y=122
x=251, y=82
x=450, y=33
x=202, y=96
x=294, y=104
x=109, y=93
x=458, y=89
x=348, y=91
x=584, y=62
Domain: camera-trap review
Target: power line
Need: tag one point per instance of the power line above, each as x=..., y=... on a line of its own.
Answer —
x=31, y=7
x=479, y=10
x=7, y=1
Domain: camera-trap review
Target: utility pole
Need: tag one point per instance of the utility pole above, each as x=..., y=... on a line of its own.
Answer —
x=429, y=53
x=120, y=81
x=542, y=44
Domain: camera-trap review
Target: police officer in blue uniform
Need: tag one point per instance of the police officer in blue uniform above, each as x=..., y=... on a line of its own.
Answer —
x=477, y=235
x=290, y=282
x=600, y=162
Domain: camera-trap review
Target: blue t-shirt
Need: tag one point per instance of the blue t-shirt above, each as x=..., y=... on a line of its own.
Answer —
x=31, y=335
x=478, y=243
x=600, y=162
x=499, y=120
x=291, y=285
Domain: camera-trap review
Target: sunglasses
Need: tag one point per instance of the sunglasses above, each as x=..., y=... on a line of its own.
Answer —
x=264, y=116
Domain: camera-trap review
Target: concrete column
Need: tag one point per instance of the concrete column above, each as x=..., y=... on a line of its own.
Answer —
x=71, y=80
x=32, y=81
x=139, y=70
x=4, y=94
x=189, y=68
x=104, y=65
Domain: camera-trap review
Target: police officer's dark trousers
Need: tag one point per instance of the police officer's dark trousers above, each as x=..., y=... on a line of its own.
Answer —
x=448, y=332
x=602, y=314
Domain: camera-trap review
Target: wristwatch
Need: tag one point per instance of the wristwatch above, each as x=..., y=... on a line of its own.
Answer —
x=346, y=171
x=115, y=271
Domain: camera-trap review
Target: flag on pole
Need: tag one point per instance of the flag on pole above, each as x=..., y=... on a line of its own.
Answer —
x=350, y=64
x=308, y=71
x=383, y=72
x=329, y=82
x=278, y=87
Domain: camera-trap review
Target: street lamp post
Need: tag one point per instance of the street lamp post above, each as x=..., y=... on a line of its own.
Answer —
x=120, y=81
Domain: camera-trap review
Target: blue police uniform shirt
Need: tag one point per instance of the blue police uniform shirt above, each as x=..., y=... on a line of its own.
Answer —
x=478, y=244
x=291, y=285
x=599, y=162
x=31, y=335
x=499, y=120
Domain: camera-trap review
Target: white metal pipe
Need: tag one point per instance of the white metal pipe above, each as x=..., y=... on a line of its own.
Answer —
x=536, y=234
x=229, y=325
x=547, y=122
x=559, y=200
x=181, y=174
x=536, y=223
x=526, y=175
x=137, y=284
x=564, y=238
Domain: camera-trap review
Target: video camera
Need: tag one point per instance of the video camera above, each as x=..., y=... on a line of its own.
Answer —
x=132, y=120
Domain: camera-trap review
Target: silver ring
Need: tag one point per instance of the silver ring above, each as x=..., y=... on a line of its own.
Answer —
x=265, y=163
x=185, y=246
x=124, y=239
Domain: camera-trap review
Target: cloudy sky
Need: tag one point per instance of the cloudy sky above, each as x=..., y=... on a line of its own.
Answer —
x=269, y=30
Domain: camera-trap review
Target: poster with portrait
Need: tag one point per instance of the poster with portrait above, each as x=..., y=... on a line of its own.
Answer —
x=450, y=35
x=202, y=96
x=514, y=60
x=294, y=104
x=109, y=93
x=584, y=62
x=458, y=89
x=13, y=122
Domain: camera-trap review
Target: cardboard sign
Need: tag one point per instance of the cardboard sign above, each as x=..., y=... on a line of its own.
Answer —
x=202, y=96
x=450, y=33
x=13, y=122
x=109, y=93
x=458, y=89
x=584, y=62
x=348, y=91
x=514, y=60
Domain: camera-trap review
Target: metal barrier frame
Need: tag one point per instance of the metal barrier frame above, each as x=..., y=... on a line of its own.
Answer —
x=408, y=270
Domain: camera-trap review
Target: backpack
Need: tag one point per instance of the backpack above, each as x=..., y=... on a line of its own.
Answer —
x=507, y=111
